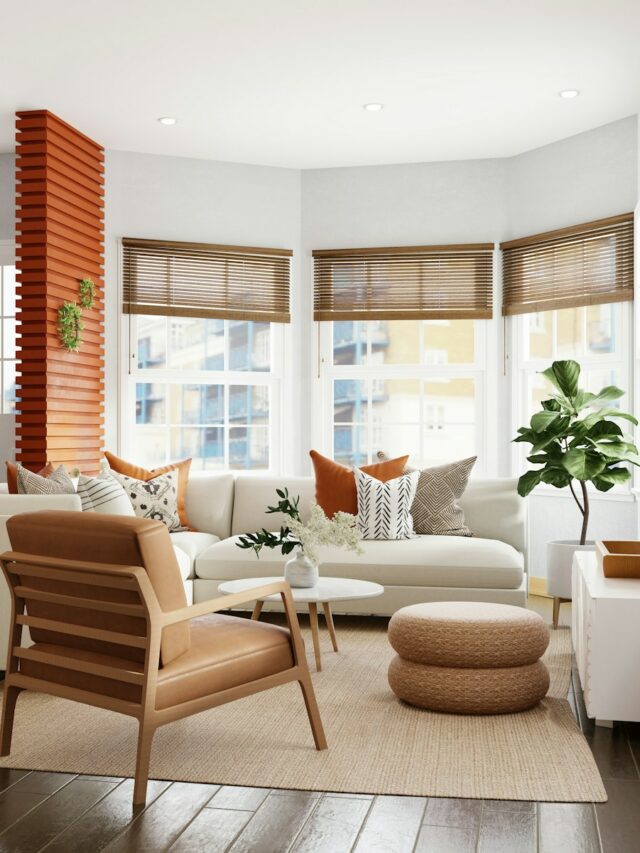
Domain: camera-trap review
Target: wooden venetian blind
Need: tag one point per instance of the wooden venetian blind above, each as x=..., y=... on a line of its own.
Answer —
x=204, y=280
x=404, y=283
x=588, y=264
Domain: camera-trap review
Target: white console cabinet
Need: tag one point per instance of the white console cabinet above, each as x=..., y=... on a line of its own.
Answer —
x=606, y=637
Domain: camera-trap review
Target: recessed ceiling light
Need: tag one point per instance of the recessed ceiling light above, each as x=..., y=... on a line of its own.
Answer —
x=168, y=120
x=373, y=108
x=569, y=93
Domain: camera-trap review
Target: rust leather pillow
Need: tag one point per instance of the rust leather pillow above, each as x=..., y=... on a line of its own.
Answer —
x=336, y=484
x=12, y=475
x=121, y=466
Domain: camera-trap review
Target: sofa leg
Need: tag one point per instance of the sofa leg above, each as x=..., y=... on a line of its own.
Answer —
x=145, y=739
x=8, y=712
x=313, y=712
x=556, y=611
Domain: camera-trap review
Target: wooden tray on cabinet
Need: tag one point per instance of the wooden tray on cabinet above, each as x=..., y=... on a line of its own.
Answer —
x=619, y=558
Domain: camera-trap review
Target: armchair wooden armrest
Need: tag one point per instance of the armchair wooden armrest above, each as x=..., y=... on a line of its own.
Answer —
x=225, y=602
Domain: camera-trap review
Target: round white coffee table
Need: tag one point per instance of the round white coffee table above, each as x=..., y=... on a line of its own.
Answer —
x=324, y=592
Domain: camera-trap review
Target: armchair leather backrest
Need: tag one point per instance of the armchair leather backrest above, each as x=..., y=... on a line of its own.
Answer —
x=102, y=538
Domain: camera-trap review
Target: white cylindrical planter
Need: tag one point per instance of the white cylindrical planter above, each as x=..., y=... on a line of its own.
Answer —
x=559, y=560
x=301, y=572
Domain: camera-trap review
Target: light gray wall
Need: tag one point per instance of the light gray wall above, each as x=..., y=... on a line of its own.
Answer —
x=7, y=196
x=177, y=198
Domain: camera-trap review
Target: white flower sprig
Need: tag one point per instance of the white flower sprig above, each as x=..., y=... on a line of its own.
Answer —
x=340, y=530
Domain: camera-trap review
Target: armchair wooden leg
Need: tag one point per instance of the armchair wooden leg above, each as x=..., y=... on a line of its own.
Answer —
x=313, y=711
x=145, y=739
x=8, y=711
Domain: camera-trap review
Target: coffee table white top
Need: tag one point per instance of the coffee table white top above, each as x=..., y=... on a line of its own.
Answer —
x=327, y=589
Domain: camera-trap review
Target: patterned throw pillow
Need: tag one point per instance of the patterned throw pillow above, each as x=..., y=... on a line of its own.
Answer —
x=156, y=499
x=104, y=494
x=435, y=509
x=58, y=483
x=384, y=509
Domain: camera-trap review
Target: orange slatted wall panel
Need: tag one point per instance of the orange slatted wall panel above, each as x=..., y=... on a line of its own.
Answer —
x=60, y=240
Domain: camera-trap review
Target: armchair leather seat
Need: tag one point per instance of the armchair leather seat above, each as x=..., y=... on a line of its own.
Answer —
x=226, y=651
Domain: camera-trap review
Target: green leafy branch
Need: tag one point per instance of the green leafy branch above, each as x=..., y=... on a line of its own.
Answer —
x=574, y=438
x=265, y=539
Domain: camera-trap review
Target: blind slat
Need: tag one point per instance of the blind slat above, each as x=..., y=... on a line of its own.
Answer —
x=412, y=282
x=201, y=280
x=589, y=264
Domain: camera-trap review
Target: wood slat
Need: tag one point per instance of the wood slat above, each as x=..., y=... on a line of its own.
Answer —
x=82, y=631
x=79, y=665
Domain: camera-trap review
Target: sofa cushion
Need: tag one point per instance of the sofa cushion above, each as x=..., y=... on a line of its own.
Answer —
x=190, y=543
x=184, y=563
x=209, y=502
x=420, y=561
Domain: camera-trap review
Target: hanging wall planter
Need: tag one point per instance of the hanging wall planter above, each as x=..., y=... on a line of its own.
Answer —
x=70, y=316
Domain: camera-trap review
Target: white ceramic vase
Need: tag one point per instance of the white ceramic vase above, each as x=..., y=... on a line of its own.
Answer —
x=300, y=571
x=559, y=561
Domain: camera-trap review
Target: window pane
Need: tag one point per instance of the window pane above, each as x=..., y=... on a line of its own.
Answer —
x=449, y=431
x=249, y=345
x=349, y=342
x=196, y=344
x=150, y=403
x=569, y=332
x=9, y=338
x=8, y=290
x=538, y=389
x=449, y=342
x=601, y=329
x=249, y=447
x=395, y=414
x=395, y=342
x=350, y=444
x=596, y=378
x=539, y=333
x=150, y=446
x=349, y=401
x=8, y=406
x=196, y=404
x=248, y=404
x=152, y=341
x=204, y=445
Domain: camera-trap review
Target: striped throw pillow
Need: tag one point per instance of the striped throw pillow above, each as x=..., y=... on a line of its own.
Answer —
x=384, y=509
x=105, y=495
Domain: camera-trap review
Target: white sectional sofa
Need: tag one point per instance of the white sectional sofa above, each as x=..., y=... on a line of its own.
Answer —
x=490, y=566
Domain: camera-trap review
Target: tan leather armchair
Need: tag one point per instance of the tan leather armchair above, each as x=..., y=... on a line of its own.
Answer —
x=106, y=609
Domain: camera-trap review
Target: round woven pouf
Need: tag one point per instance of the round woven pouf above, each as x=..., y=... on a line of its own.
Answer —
x=468, y=657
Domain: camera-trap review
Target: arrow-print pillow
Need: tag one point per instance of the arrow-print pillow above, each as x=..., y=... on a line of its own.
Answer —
x=384, y=509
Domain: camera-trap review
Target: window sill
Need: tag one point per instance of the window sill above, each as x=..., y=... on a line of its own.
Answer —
x=624, y=495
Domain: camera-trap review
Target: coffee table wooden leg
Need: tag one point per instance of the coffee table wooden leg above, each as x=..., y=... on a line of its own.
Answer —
x=257, y=610
x=328, y=618
x=313, y=619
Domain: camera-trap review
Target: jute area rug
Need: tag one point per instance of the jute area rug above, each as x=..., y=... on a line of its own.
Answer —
x=377, y=745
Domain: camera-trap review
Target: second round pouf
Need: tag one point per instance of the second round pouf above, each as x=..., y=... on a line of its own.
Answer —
x=468, y=657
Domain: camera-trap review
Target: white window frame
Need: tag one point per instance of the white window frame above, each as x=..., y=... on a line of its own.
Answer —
x=273, y=379
x=522, y=368
x=325, y=373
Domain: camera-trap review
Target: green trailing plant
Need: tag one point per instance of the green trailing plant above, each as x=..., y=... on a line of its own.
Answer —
x=576, y=438
x=70, y=326
x=87, y=293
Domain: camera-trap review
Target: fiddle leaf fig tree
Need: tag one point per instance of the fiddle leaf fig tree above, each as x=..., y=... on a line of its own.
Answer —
x=576, y=438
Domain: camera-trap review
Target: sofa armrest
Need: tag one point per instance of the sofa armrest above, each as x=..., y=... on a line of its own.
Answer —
x=15, y=504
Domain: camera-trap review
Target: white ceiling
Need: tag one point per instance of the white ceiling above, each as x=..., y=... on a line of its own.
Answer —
x=282, y=82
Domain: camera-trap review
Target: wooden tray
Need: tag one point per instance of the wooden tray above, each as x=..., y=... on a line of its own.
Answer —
x=619, y=559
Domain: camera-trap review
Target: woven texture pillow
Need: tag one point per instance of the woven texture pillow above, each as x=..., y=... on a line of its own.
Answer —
x=12, y=475
x=435, y=508
x=384, y=509
x=156, y=499
x=104, y=494
x=58, y=483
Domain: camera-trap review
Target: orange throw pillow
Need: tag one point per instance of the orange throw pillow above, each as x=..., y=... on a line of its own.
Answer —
x=336, y=485
x=120, y=466
x=12, y=475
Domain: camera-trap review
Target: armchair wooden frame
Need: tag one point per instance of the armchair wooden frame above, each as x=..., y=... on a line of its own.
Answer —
x=20, y=568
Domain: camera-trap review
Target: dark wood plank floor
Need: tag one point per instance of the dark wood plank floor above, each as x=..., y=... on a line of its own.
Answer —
x=86, y=814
